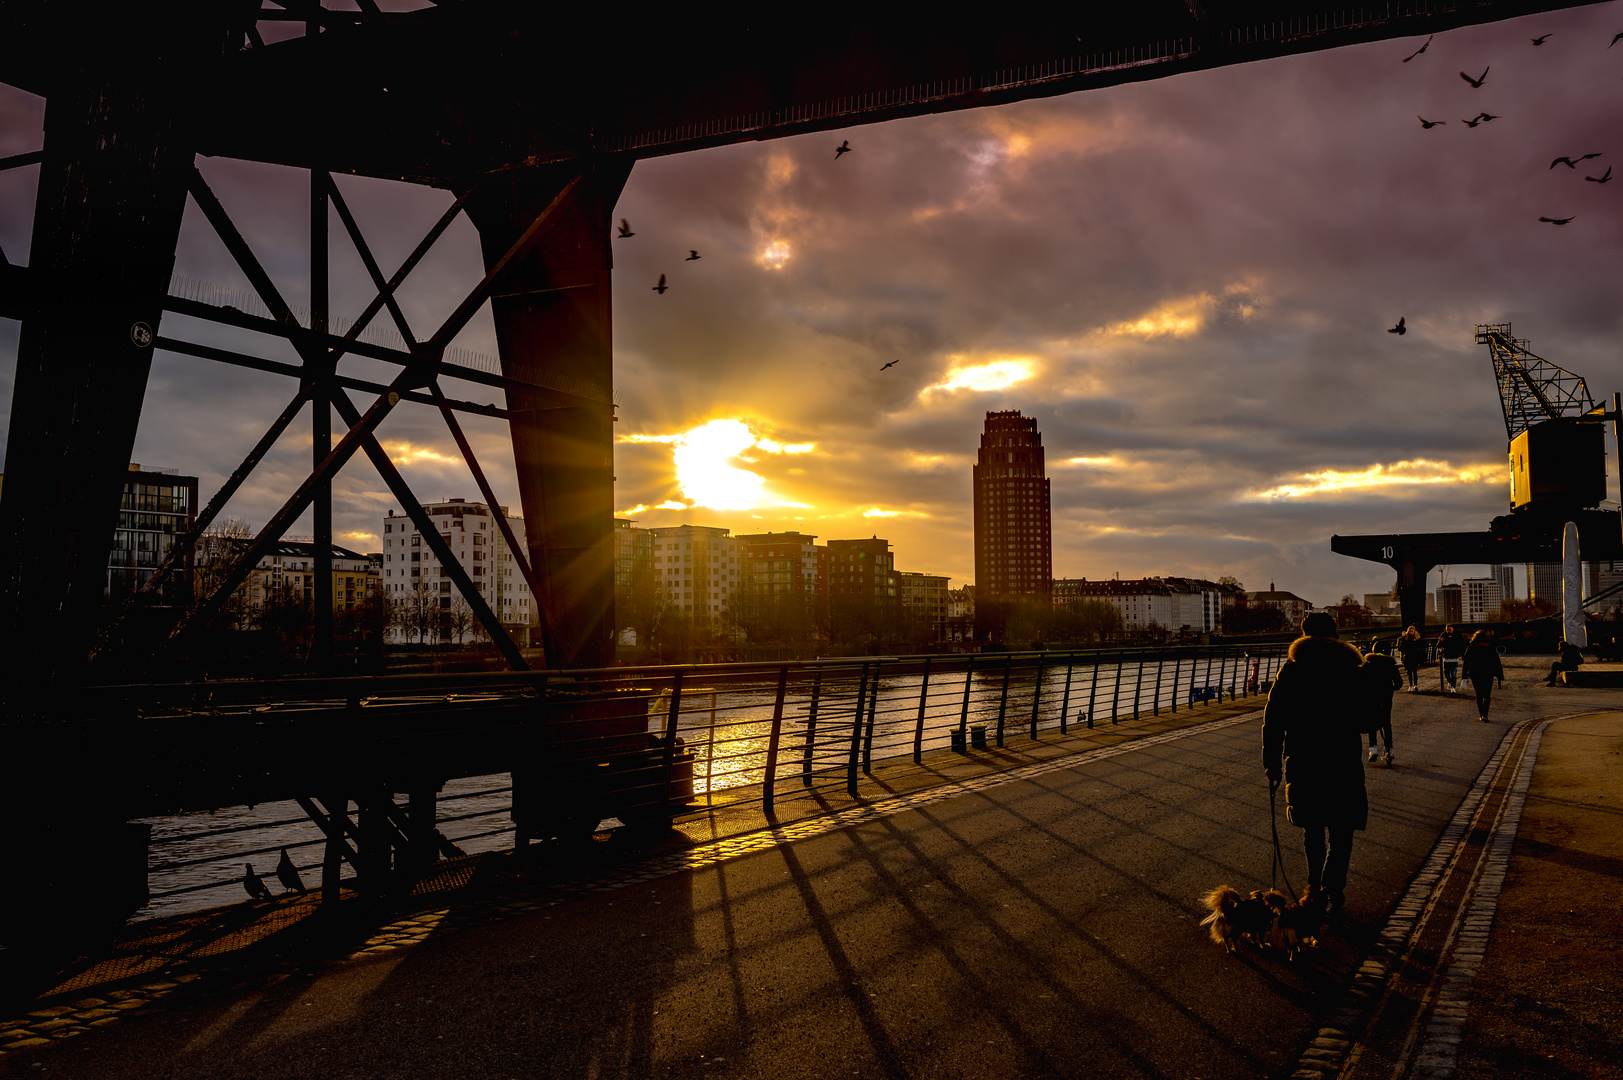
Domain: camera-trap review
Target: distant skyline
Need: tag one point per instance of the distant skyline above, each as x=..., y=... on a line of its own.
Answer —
x=1187, y=282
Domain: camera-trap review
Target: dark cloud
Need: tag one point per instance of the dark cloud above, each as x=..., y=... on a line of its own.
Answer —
x=1198, y=272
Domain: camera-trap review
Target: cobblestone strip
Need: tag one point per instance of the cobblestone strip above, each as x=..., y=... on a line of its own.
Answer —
x=39, y=1027
x=400, y=934
x=1337, y=1051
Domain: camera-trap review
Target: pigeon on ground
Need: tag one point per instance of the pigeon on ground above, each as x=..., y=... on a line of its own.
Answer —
x=288, y=874
x=448, y=847
x=251, y=881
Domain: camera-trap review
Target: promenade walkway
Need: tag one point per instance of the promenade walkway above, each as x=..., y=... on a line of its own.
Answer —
x=1030, y=912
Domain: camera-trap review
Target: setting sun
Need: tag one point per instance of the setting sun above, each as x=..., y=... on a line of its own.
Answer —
x=705, y=474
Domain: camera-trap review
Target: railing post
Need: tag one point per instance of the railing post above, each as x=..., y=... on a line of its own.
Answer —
x=811, y=728
x=1065, y=701
x=873, y=707
x=918, y=727
x=671, y=716
x=710, y=750
x=1003, y=700
x=1222, y=666
x=1160, y=665
x=1138, y=684
x=856, y=733
x=1115, y=692
x=1177, y=670
x=963, y=716
x=1205, y=698
x=769, y=782
x=1093, y=689
x=332, y=858
x=1036, y=696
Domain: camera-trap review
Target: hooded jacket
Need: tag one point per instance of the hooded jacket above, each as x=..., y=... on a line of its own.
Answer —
x=1313, y=729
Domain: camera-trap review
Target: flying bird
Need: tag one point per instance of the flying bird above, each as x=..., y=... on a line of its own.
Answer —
x=288, y=874
x=1558, y=220
x=1602, y=178
x=842, y=149
x=692, y=255
x=1485, y=117
x=1617, y=38
x=625, y=229
x=1399, y=329
x=661, y=287
x=1571, y=163
x=1429, y=124
x=1471, y=123
x=893, y=363
x=1541, y=39
x=1420, y=50
x=250, y=881
x=1476, y=83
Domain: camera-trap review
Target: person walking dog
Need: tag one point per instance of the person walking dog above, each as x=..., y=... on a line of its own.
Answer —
x=1311, y=739
x=1482, y=666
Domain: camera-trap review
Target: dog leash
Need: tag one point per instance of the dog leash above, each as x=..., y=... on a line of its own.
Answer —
x=1278, y=866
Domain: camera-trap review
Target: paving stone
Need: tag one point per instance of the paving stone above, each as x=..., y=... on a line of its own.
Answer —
x=104, y=1021
x=95, y=1014
x=129, y=1003
x=89, y=1003
x=53, y=1011
x=24, y=1043
x=52, y=1025
x=159, y=987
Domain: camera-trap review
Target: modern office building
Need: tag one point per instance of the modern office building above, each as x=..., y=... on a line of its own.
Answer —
x=412, y=575
x=156, y=507
x=924, y=596
x=1013, y=520
x=699, y=568
x=1450, y=605
x=779, y=564
x=1479, y=599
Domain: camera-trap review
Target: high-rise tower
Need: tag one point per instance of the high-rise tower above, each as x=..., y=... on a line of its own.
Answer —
x=1013, y=553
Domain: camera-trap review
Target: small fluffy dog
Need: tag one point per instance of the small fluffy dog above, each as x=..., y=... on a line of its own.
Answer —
x=1269, y=919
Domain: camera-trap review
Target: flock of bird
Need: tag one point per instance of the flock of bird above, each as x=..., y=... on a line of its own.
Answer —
x=693, y=255
x=1484, y=117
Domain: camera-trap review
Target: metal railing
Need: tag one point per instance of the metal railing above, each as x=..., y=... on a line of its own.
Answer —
x=685, y=739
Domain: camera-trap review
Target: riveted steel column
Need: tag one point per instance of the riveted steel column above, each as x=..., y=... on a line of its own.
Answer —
x=553, y=328
x=112, y=189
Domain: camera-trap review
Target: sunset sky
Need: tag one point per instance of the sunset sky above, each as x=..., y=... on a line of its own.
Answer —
x=1188, y=282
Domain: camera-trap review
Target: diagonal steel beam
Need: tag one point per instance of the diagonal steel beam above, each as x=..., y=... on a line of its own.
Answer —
x=431, y=534
x=360, y=431
x=549, y=633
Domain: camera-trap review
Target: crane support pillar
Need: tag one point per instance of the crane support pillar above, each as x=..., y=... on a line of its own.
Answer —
x=112, y=191
x=552, y=310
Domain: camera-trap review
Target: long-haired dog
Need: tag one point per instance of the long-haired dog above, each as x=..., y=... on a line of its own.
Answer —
x=1269, y=919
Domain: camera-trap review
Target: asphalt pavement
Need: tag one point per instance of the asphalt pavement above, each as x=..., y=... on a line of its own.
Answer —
x=1041, y=920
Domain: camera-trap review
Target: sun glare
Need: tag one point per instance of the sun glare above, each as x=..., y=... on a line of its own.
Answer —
x=1398, y=474
x=705, y=472
x=774, y=255
x=996, y=375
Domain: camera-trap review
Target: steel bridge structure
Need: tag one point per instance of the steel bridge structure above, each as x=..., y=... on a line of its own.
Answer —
x=533, y=118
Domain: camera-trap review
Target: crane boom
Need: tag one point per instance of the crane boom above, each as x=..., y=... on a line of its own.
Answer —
x=1531, y=389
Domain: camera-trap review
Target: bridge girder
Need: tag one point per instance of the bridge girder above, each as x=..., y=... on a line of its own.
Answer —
x=454, y=96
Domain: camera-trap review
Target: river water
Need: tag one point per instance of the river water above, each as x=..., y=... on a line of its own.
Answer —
x=196, y=860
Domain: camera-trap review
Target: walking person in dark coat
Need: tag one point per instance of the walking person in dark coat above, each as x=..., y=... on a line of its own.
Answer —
x=1381, y=675
x=1412, y=648
x=1450, y=647
x=1482, y=666
x=1310, y=737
